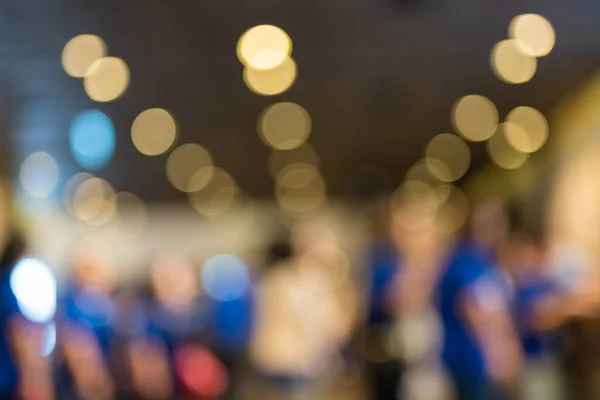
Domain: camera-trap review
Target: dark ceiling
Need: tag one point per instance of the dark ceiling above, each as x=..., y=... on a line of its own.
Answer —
x=378, y=77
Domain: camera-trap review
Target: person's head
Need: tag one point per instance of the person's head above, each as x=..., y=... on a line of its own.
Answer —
x=94, y=268
x=489, y=222
x=173, y=279
x=307, y=234
x=518, y=254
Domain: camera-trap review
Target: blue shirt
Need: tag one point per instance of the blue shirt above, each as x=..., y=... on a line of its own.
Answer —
x=469, y=275
x=383, y=262
x=231, y=322
x=8, y=309
x=529, y=291
x=90, y=310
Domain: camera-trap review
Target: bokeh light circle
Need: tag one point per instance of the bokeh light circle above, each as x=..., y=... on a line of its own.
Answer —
x=284, y=126
x=34, y=286
x=272, y=81
x=153, y=131
x=264, y=47
x=534, y=32
x=475, y=117
x=218, y=196
x=448, y=157
x=225, y=277
x=527, y=130
x=94, y=202
x=80, y=53
x=39, y=174
x=106, y=79
x=501, y=152
x=92, y=139
x=189, y=168
x=511, y=63
x=279, y=159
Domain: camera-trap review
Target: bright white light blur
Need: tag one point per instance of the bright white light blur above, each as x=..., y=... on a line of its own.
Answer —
x=39, y=174
x=225, y=277
x=49, y=339
x=34, y=285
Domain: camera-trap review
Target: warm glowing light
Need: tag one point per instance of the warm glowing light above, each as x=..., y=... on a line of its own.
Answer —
x=501, y=152
x=189, y=168
x=264, y=47
x=448, y=157
x=534, y=32
x=302, y=199
x=69, y=189
x=475, y=117
x=80, y=53
x=153, y=131
x=420, y=199
x=92, y=139
x=453, y=212
x=304, y=154
x=106, y=79
x=271, y=81
x=94, y=202
x=421, y=173
x=34, y=285
x=284, y=126
x=297, y=175
x=324, y=267
x=39, y=174
x=225, y=277
x=511, y=63
x=527, y=130
x=132, y=215
x=217, y=197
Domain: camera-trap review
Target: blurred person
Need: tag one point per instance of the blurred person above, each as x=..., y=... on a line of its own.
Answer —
x=24, y=372
x=418, y=329
x=301, y=319
x=383, y=261
x=85, y=324
x=170, y=360
x=481, y=350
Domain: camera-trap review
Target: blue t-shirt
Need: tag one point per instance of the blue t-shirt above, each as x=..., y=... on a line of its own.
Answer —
x=469, y=275
x=8, y=309
x=90, y=310
x=529, y=291
x=231, y=322
x=383, y=263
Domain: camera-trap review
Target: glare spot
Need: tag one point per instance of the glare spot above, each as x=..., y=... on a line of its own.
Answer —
x=34, y=285
x=511, y=63
x=49, y=339
x=527, y=130
x=271, y=81
x=69, y=189
x=475, y=117
x=448, y=157
x=302, y=199
x=39, y=174
x=324, y=267
x=189, y=168
x=132, y=215
x=284, y=126
x=264, y=47
x=153, y=131
x=501, y=152
x=80, y=53
x=535, y=32
x=94, y=202
x=304, y=154
x=297, y=175
x=217, y=197
x=106, y=79
x=453, y=212
x=92, y=139
x=225, y=277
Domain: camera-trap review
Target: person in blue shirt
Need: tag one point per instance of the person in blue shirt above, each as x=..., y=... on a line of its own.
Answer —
x=85, y=321
x=480, y=348
x=24, y=373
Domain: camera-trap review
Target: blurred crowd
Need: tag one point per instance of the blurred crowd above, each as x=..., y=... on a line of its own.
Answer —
x=492, y=312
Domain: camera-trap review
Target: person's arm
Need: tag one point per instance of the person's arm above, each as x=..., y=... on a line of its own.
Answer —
x=35, y=370
x=487, y=315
